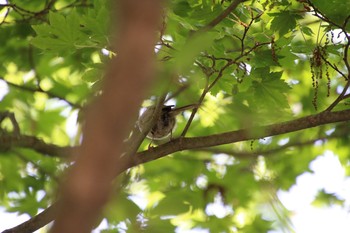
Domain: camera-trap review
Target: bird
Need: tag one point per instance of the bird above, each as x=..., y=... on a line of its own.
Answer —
x=164, y=125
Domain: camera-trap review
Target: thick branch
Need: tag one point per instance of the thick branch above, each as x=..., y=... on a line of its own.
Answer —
x=181, y=144
x=273, y=151
x=9, y=141
x=36, y=222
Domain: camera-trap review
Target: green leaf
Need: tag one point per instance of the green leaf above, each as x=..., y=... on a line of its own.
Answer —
x=324, y=198
x=335, y=10
x=283, y=22
x=121, y=209
x=271, y=91
x=259, y=225
x=266, y=46
x=181, y=8
x=26, y=205
x=156, y=225
x=92, y=75
x=10, y=170
x=66, y=28
x=196, y=44
x=45, y=118
x=172, y=204
x=307, y=31
x=96, y=24
x=49, y=43
x=63, y=33
x=264, y=58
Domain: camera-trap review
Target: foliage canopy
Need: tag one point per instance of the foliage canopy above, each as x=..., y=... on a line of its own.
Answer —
x=249, y=65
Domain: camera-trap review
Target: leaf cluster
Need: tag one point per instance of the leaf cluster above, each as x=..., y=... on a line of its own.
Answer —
x=255, y=65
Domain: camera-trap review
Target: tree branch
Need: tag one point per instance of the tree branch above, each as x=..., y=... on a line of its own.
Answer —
x=11, y=116
x=269, y=152
x=36, y=222
x=340, y=97
x=222, y=16
x=181, y=144
x=33, y=89
x=323, y=17
x=9, y=141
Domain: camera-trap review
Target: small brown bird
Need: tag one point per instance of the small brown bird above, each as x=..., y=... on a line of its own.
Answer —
x=165, y=124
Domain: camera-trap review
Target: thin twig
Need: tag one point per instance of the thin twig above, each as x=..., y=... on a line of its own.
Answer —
x=340, y=97
x=199, y=103
x=321, y=16
x=16, y=130
x=334, y=67
x=5, y=16
x=38, y=89
x=222, y=16
x=208, y=86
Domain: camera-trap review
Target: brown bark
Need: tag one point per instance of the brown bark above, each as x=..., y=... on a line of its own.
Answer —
x=88, y=184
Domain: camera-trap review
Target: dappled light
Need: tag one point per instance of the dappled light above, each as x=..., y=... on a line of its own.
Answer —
x=174, y=116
